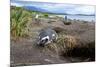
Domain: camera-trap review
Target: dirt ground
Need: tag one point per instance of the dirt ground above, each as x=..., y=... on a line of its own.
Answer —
x=25, y=52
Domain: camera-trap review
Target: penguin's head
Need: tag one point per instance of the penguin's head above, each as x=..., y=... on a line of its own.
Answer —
x=43, y=41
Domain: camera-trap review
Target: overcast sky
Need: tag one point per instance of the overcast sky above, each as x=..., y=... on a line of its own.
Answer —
x=57, y=7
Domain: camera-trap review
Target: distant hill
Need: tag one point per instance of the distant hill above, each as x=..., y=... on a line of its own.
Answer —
x=86, y=14
x=37, y=9
x=32, y=8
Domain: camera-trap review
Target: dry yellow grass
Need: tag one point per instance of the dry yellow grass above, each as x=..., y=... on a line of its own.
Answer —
x=67, y=41
x=66, y=44
x=63, y=44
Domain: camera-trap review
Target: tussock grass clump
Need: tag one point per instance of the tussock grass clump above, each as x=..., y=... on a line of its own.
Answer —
x=63, y=44
x=19, y=19
x=67, y=41
x=72, y=46
x=67, y=45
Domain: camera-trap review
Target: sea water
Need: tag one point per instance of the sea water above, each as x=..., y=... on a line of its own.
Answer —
x=84, y=18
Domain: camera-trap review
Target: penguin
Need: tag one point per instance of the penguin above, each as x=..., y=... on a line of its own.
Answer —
x=47, y=36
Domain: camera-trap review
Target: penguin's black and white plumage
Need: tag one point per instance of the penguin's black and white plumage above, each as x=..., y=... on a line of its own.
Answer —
x=46, y=36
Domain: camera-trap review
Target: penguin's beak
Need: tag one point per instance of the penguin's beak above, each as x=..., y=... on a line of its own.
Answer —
x=41, y=43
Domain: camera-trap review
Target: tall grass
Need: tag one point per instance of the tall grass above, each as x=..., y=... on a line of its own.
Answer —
x=19, y=19
x=63, y=44
x=72, y=46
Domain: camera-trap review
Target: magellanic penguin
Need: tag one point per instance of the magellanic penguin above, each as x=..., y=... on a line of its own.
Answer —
x=47, y=36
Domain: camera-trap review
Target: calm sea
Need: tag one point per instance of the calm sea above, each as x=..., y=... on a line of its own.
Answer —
x=78, y=17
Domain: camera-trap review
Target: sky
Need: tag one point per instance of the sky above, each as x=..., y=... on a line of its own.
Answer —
x=90, y=2
x=57, y=7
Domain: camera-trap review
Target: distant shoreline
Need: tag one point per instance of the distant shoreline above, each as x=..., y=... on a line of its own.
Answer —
x=80, y=17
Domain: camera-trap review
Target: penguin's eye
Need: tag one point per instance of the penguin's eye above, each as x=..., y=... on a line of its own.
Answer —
x=42, y=40
x=46, y=40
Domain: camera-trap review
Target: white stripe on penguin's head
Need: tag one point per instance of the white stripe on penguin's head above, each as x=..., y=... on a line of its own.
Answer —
x=47, y=37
